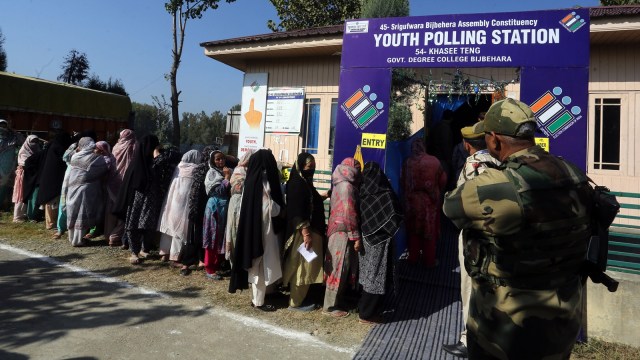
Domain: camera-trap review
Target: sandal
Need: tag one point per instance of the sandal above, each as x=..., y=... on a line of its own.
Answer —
x=89, y=236
x=265, y=307
x=143, y=255
x=185, y=271
x=373, y=321
x=164, y=257
x=336, y=313
x=124, y=247
x=115, y=243
x=213, y=276
x=134, y=260
x=57, y=235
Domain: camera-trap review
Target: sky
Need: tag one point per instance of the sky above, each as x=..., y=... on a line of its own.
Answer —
x=130, y=40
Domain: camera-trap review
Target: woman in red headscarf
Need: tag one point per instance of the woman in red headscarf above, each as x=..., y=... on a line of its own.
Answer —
x=341, y=260
x=423, y=181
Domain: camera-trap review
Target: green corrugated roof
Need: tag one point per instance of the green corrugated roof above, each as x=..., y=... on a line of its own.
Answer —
x=22, y=93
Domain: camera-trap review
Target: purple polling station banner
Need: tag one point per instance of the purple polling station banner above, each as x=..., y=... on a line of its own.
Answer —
x=363, y=114
x=552, y=38
x=559, y=98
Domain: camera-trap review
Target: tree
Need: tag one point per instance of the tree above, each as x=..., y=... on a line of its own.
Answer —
x=112, y=86
x=75, y=68
x=384, y=8
x=181, y=12
x=3, y=54
x=303, y=14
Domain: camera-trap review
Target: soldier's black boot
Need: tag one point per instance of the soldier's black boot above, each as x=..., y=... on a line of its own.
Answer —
x=458, y=349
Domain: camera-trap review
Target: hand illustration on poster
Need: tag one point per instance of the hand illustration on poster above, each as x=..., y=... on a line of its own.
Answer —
x=253, y=116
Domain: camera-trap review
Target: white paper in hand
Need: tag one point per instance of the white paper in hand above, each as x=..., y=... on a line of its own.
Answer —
x=308, y=255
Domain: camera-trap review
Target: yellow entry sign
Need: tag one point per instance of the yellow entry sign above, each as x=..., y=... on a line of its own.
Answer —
x=543, y=143
x=376, y=141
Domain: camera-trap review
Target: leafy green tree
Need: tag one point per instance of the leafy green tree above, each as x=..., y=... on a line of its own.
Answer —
x=619, y=2
x=201, y=129
x=303, y=14
x=3, y=53
x=384, y=8
x=181, y=12
x=112, y=86
x=75, y=68
x=144, y=122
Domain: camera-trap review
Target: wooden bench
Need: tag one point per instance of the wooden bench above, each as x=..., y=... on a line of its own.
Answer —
x=624, y=235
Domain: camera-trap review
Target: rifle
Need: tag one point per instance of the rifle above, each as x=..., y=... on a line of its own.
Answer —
x=605, y=208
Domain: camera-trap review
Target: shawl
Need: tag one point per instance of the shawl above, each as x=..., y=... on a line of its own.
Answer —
x=240, y=173
x=249, y=240
x=85, y=155
x=83, y=190
x=380, y=209
x=344, y=205
x=32, y=169
x=214, y=175
x=175, y=209
x=31, y=146
x=114, y=180
x=8, y=140
x=188, y=164
x=138, y=175
x=123, y=151
x=197, y=195
x=304, y=203
x=53, y=169
x=9, y=144
x=422, y=172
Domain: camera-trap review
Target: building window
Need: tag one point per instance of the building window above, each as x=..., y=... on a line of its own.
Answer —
x=311, y=126
x=607, y=133
x=332, y=125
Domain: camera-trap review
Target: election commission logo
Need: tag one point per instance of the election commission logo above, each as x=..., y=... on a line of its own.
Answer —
x=553, y=112
x=572, y=22
x=361, y=107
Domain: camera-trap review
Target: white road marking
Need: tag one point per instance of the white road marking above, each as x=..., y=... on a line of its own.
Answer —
x=245, y=320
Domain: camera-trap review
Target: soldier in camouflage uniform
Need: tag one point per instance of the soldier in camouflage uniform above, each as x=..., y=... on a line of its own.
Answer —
x=526, y=231
x=479, y=160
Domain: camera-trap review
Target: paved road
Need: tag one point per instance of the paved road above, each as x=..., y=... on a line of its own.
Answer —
x=52, y=312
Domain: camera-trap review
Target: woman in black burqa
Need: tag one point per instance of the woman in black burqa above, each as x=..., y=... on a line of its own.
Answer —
x=52, y=175
x=305, y=225
x=381, y=215
x=249, y=240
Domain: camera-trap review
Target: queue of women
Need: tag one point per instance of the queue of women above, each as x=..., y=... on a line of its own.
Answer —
x=234, y=219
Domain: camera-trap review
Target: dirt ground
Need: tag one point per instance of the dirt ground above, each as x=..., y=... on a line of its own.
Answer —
x=195, y=288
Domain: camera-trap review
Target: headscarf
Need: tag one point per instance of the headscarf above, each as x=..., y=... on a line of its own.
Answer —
x=240, y=173
x=108, y=156
x=197, y=195
x=417, y=147
x=123, y=150
x=31, y=146
x=249, y=239
x=85, y=155
x=380, y=209
x=189, y=163
x=53, y=169
x=304, y=204
x=214, y=175
x=138, y=174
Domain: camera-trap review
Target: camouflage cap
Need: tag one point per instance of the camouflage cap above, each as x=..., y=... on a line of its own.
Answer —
x=510, y=117
x=476, y=131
